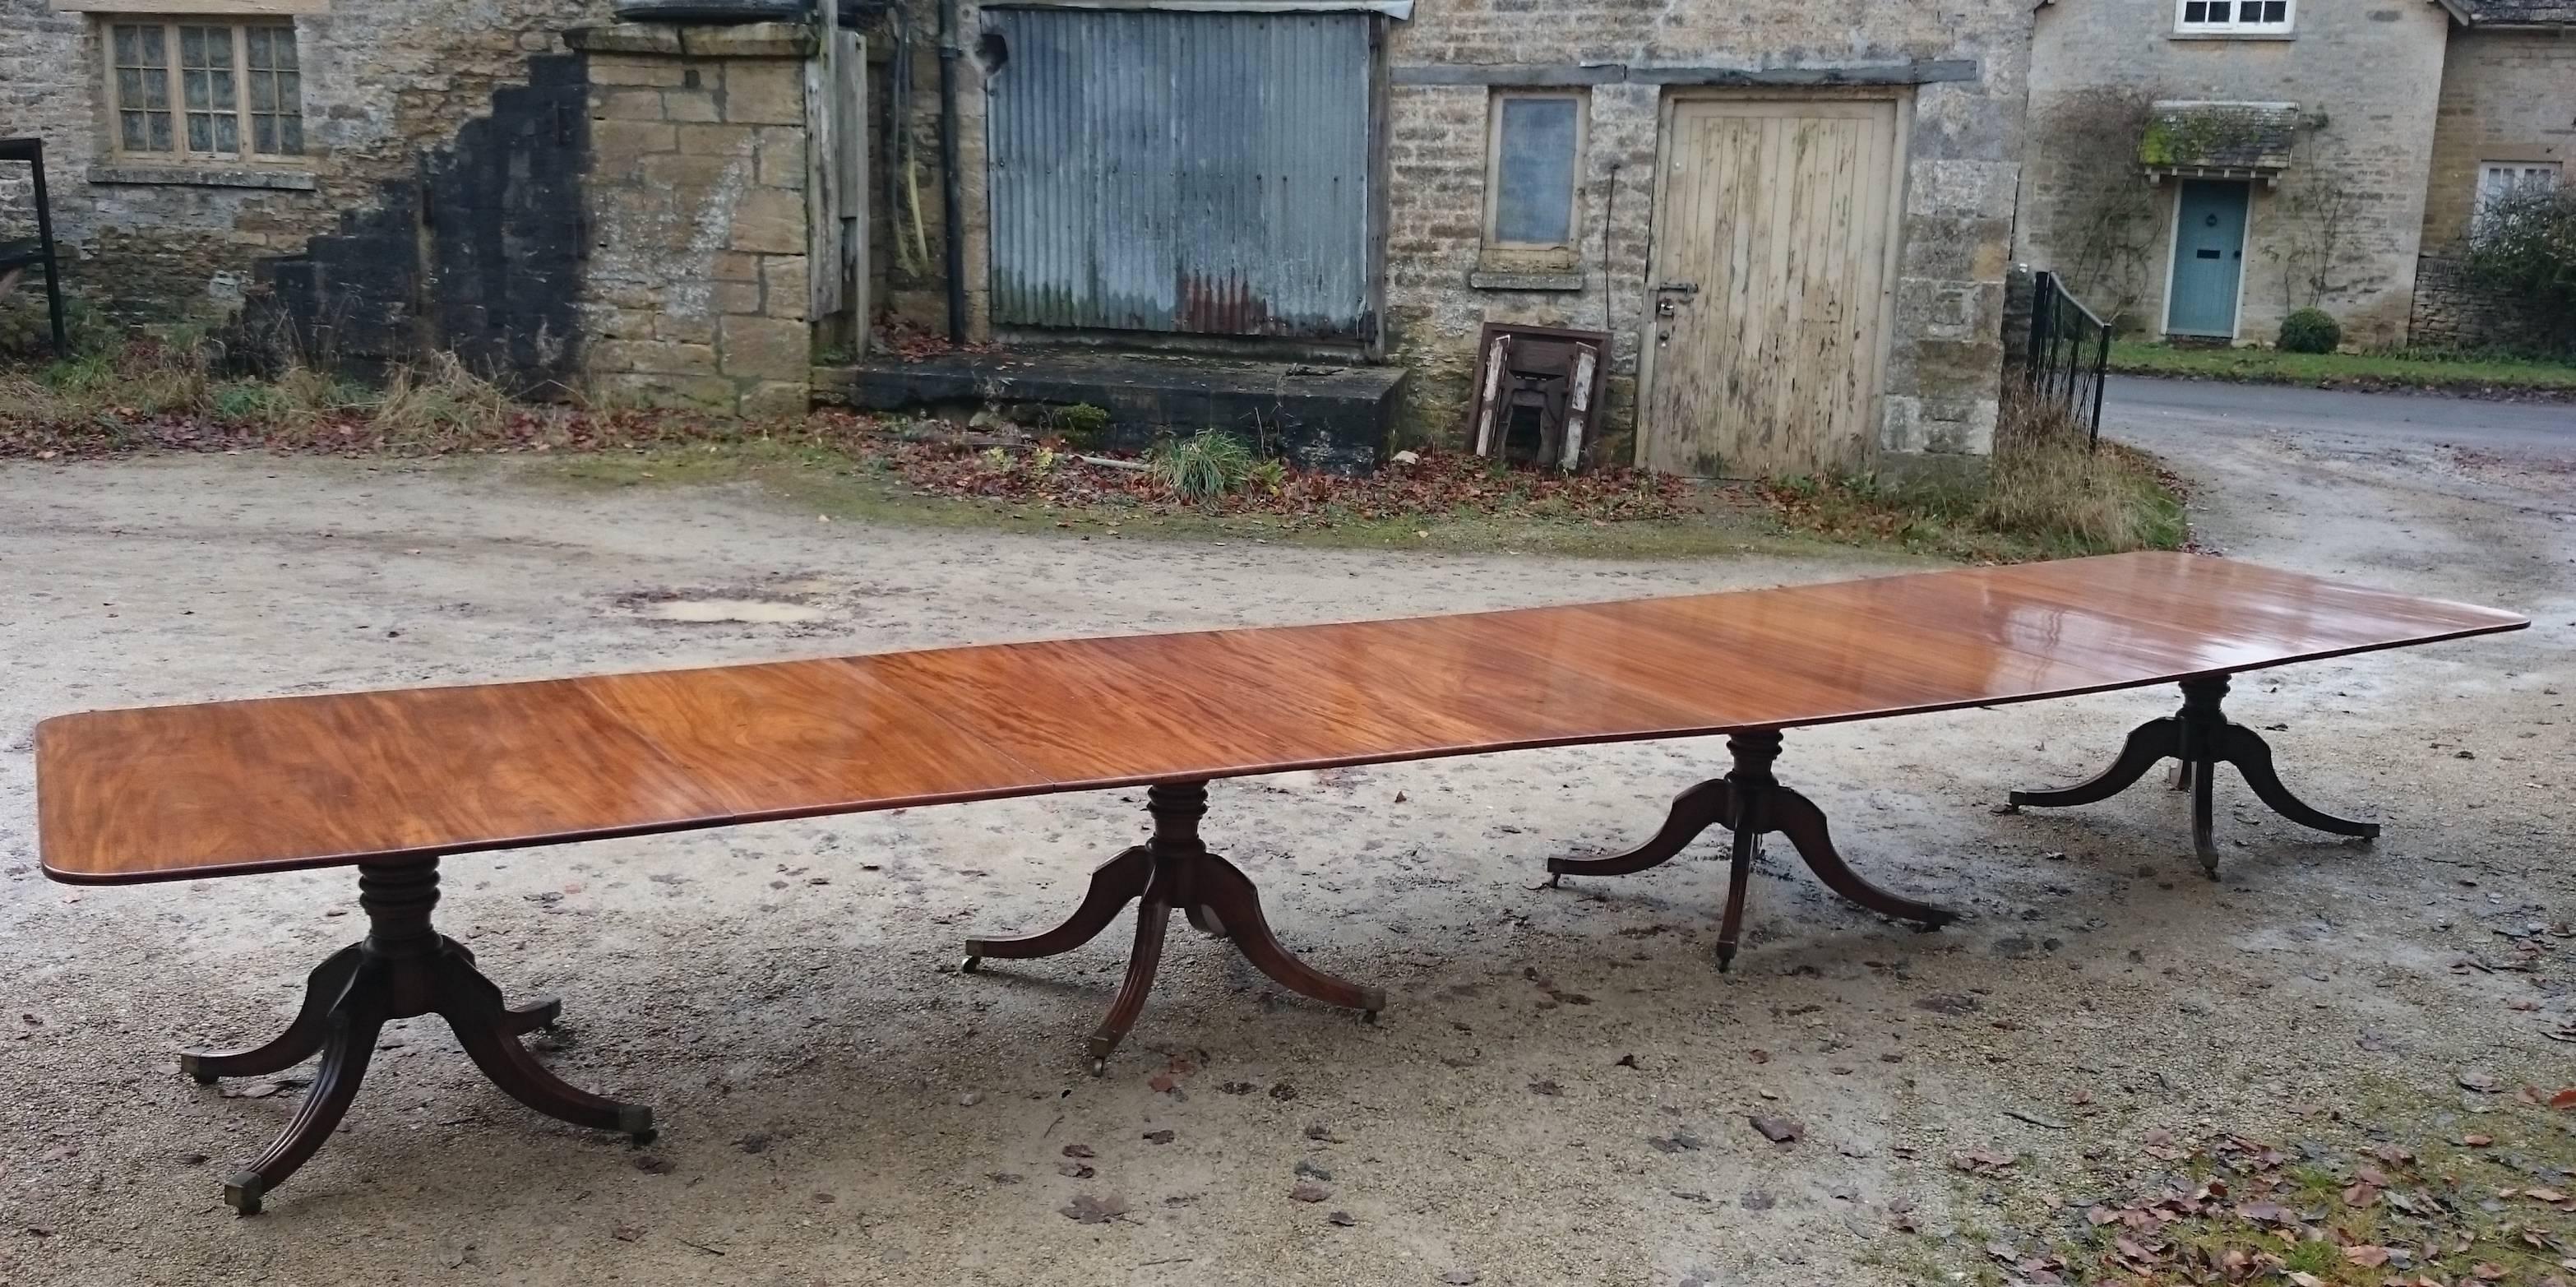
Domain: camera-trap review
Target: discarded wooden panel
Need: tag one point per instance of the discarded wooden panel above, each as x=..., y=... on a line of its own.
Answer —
x=1537, y=391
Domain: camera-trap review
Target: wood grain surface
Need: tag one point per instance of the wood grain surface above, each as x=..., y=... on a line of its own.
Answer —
x=176, y=792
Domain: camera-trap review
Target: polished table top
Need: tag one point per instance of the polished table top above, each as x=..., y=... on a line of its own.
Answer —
x=174, y=792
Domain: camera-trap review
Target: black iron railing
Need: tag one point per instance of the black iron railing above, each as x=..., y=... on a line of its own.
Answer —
x=2070, y=349
x=37, y=251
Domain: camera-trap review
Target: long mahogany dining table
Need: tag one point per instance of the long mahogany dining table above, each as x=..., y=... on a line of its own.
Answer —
x=395, y=781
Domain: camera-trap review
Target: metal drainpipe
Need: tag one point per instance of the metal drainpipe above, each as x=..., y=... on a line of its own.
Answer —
x=951, y=187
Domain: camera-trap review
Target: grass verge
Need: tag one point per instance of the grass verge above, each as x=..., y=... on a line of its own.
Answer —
x=2042, y=498
x=844, y=485
x=2470, y=374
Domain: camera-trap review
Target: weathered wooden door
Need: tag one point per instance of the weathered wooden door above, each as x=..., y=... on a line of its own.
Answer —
x=1771, y=277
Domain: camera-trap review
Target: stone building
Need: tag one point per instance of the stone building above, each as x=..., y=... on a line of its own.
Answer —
x=2201, y=168
x=1292, y=218
x=1793, y=220
x=570, y=205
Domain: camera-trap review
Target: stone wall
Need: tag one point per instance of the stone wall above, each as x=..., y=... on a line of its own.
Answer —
x=382, y=79
x=2364, y=75
x=2506, y=96
x=478, y=255
x=697, y=291
x=1945, y=350
x=2456, y=313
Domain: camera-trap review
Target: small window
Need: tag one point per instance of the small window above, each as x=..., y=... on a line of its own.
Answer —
x=2496, y=178
x=2234, y=17
x=1531, y=164
x=204, y=91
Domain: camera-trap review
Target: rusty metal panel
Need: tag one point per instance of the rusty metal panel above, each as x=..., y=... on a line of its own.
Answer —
x=1202, y=173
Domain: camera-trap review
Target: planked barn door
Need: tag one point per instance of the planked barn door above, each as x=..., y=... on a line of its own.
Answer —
x=1773, y=228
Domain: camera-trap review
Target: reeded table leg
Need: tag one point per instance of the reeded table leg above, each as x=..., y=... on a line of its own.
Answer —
x=2199, y=738
x=1751, y=803
x=1174, y=872
x=403, y=969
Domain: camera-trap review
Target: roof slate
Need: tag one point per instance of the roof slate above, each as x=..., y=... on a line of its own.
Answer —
x=2505, y=12
x=2234, y=136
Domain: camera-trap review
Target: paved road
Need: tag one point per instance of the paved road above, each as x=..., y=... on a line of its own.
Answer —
x=2143, y=409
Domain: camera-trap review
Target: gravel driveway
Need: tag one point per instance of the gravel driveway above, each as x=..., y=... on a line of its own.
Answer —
x=1560, y=1090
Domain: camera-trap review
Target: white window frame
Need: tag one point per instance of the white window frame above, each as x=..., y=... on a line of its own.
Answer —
x=1582, y=101
x=238, y=24
x=2549, y=173
x=2232, y=27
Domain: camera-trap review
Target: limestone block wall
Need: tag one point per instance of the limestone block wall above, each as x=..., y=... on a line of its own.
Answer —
x=696, y=291
x=1966, y=86
x=2507, y=95
x=2365, y=76
x=382, y=80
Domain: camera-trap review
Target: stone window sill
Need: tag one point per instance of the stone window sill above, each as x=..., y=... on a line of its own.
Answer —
x=204, y=177
x=2233, y=35
x=1504, y=279
x=194, y=8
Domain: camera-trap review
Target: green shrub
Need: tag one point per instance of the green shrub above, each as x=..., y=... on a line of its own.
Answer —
x=2524, y=245
x=2310, y=330
x=1203, y=466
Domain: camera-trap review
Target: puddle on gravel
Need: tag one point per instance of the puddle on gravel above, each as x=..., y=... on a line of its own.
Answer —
x=755, y=611
x=705, y=607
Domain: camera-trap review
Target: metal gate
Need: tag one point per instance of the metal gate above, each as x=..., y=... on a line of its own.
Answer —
x=1188, y=172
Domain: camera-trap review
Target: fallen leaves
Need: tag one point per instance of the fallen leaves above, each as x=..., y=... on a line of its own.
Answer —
x=1089, y=1208
x=1778, y=1130
x=1981, y=1162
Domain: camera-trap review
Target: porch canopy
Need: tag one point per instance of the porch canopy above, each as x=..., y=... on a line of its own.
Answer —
x=2214, y=140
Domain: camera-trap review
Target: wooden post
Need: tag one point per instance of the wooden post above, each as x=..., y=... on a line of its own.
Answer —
x=822, y=157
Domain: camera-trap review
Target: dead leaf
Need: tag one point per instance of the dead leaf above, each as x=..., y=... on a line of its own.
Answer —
x=2367, y=1256
x=1778, y=1130
x=1309, y=1191
x=2564, y=1099
x=1087, y=1209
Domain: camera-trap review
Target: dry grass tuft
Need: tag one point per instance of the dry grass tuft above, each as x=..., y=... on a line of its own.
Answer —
x=2046, y=494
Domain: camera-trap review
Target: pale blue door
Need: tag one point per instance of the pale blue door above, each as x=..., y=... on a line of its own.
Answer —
x=2209, y=259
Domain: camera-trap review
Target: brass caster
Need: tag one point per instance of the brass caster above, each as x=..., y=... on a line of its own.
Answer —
x=1099, y=1066
x=971, y=964
x=1369, y=1017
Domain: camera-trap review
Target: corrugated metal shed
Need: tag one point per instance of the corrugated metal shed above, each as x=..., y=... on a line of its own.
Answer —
x=1203, y=173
